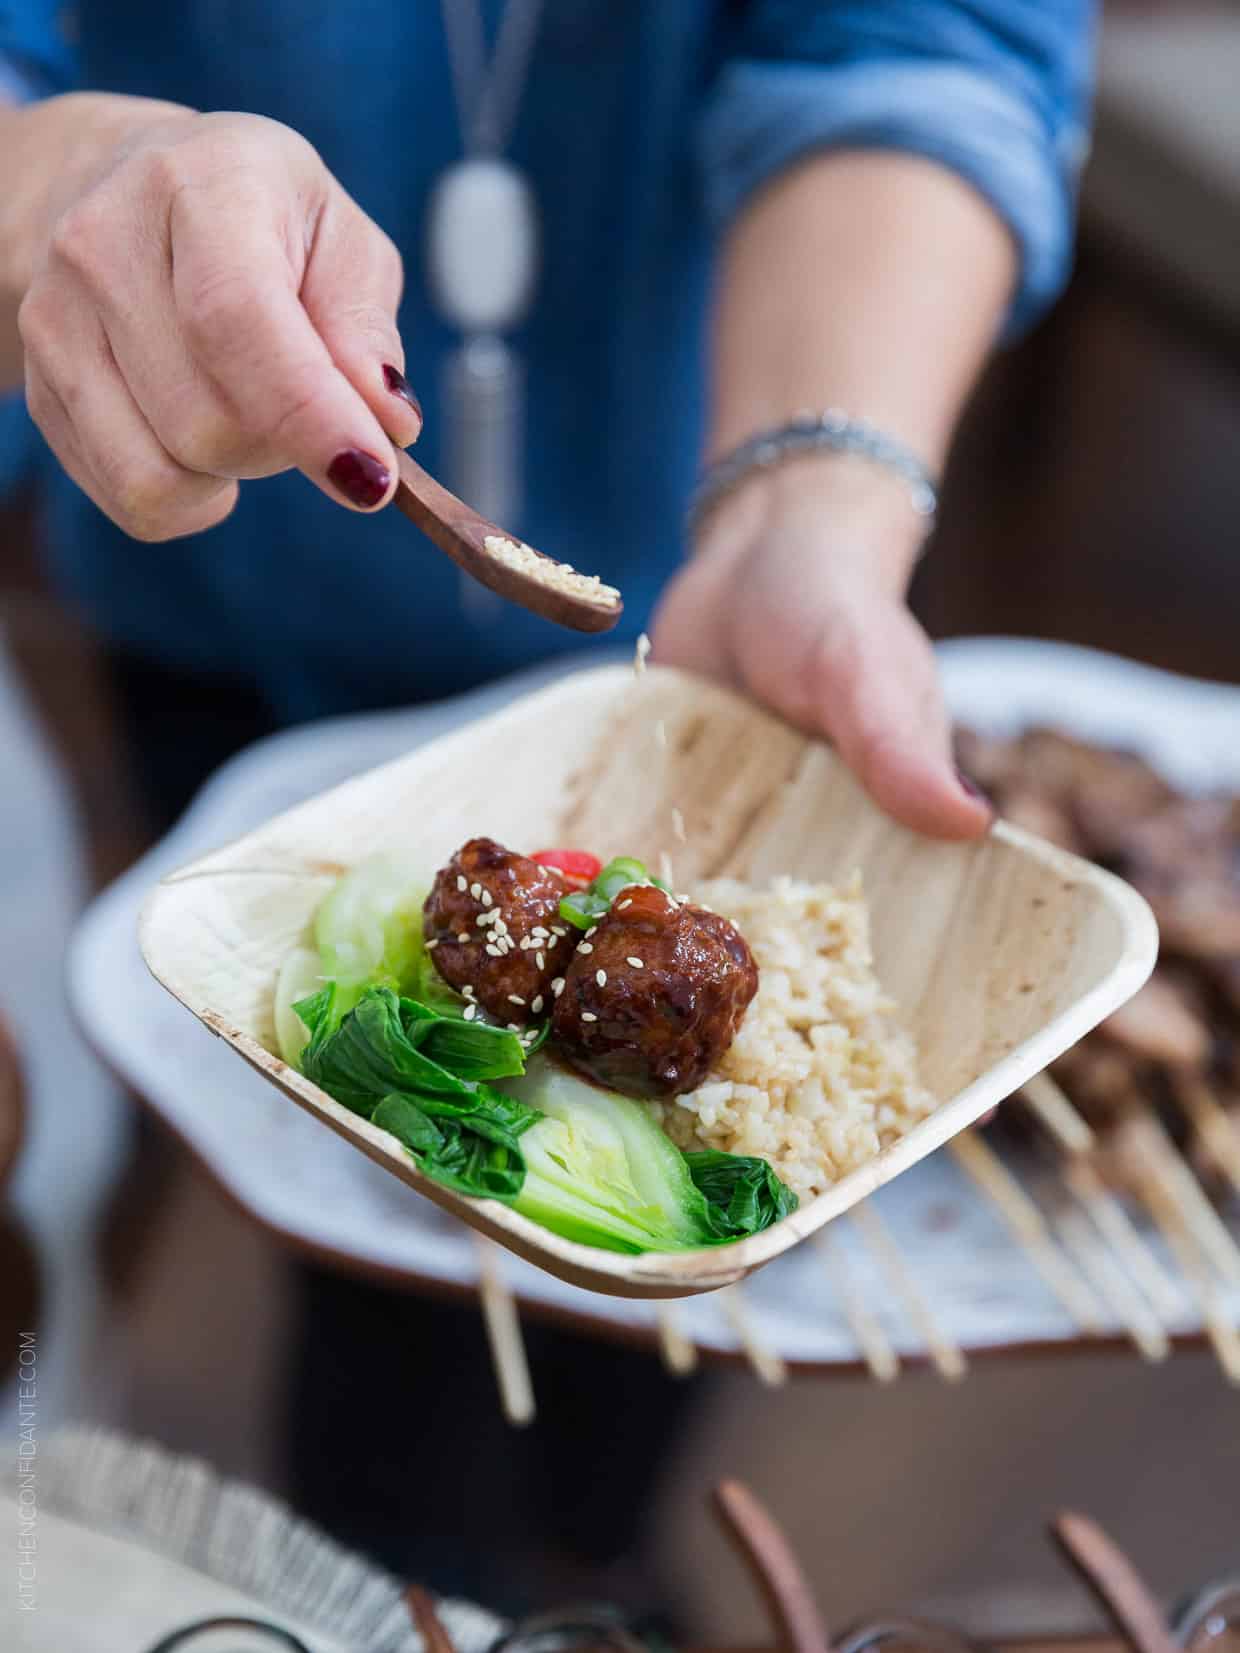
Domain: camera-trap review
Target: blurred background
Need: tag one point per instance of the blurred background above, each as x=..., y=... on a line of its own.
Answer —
x=1094, y=497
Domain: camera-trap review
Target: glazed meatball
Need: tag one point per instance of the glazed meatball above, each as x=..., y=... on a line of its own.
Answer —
x=654, y=995
x=493, y=926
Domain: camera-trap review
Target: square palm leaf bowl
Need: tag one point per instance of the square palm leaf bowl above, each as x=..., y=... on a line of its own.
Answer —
x=1000, y=953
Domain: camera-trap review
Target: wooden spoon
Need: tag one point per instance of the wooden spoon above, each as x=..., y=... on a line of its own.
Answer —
x=774, y=1568
x=504, y=565
x=1114, y=1583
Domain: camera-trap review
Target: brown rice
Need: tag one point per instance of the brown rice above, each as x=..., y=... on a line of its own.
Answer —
x=820, y=1077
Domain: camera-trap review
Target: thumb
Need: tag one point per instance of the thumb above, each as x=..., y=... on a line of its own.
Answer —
x=875, y=690
x=351, y=292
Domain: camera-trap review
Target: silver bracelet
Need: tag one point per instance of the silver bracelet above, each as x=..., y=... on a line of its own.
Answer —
x=829, y=432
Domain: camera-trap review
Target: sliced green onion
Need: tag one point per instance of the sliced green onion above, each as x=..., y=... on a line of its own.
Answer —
x=617, y=874
x=582, y=908
x=585, y=907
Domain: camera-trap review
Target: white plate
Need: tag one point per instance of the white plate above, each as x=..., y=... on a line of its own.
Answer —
x=300, y=1180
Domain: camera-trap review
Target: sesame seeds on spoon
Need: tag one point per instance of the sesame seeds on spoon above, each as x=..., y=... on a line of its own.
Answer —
x=505, y=565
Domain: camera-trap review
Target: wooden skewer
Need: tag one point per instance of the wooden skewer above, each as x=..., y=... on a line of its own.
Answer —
x=1113, y=1287
x=1141, y=1129
x=775, y=1570
x=1115, y=1225
x=1213, y=1124
x=767, y=1365
x=1171, y=1223
x=1060, y=1117
x=679, y=1352
x=1026, y=1222
x=1115, y=1583
x=872, y=1340
x=503, y=1324
x=947, y=1356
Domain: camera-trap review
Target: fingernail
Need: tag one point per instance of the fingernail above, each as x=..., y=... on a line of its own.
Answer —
x=397, y=383
x=361, y=478
x=973, y=789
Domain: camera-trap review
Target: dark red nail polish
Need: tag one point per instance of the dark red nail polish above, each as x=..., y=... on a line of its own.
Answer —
x=361, y=478
x=397, y=383
x=973, y=789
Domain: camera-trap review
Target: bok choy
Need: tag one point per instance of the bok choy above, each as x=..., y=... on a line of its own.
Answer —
x=582, y=1162
x=365, y=1016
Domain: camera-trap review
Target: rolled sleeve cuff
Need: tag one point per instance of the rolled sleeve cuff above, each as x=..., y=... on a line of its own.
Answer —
x=764, y=116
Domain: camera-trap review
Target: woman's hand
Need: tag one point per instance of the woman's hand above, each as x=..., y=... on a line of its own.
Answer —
x=202, y=303
x=796, y=594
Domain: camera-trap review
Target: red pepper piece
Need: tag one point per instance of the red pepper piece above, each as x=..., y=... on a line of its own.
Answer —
x=577, y=867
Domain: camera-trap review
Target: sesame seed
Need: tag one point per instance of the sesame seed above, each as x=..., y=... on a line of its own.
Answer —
x=591, y=931
x=515, y=998
x=540, y=931
x=641, y=653
x=471, y=1010
x=627, y=902
x=600, y=977
x=557, y=986
x=537, y=1005
x=585, y=946
x=462, y=883
x=487, y=898
x=482, y=918
x=558, y=930
x=514, y=1027
x=556, y=576
x=678, y=825
x=475, y=889
x=540, y=960
x=493, y=951
x=467, y=991
x=588, y=1016
x=463, y=935
x=431, y=944
x=635, y=962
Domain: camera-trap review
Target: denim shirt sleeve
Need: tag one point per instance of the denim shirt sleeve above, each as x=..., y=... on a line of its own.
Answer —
x=996, y=90
x=35, y=61
x=36, y=58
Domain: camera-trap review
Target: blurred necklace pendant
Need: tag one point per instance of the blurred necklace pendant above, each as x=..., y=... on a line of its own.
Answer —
x=482, y=261
x=482, y=412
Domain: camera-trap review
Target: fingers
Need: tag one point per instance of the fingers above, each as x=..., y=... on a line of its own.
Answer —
x=850, y=663
x=248, y=334
x=351, y=292
x=82, y=405
x=214, y=307
x=874, y=685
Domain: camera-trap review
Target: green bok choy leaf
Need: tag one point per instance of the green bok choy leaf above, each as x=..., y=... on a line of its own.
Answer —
x=366, y=1017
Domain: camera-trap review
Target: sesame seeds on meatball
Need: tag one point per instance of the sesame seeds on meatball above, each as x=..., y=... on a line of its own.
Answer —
x=494, y=932
x=654, y=994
